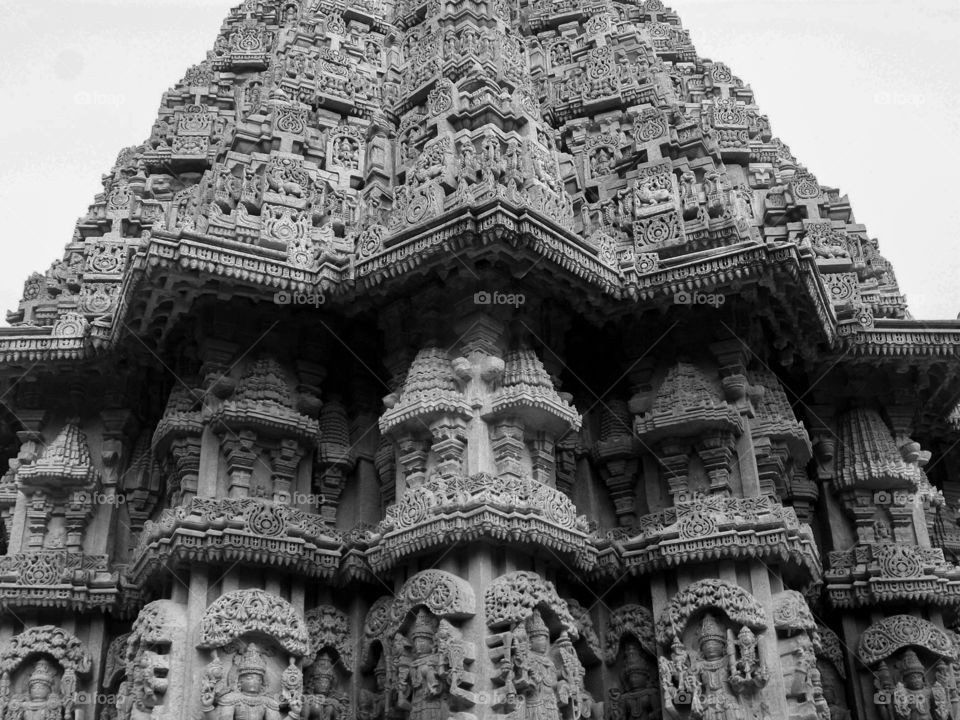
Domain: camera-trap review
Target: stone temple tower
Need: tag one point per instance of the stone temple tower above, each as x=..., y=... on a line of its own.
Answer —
x=473, y=360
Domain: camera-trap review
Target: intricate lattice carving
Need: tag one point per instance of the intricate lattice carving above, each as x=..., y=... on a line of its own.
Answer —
x=254, y=611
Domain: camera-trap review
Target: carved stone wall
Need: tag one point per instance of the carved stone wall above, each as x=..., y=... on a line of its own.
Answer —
x=461, y=360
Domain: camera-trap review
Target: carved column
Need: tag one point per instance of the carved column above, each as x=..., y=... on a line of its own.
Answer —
x=241, y=454
x=507, y=442
x=449, y=443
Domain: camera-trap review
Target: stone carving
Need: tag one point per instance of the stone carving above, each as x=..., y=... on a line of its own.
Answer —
x=630, y=643
x=719, y=677
x=246, y=611
x=154, y=659
x=493, y=208
x=902, y=688
x=39, y=673
x=798, y=640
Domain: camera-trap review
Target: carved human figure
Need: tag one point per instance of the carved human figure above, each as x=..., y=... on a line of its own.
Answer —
x=531, y=671
x=40, y=701
x=323, y=701
x=913, y=698
x=249, y=700
x=713, y=696
x=423, y=686
x=639, y=698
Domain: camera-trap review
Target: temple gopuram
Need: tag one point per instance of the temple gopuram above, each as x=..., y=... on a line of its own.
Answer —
x=473, y=360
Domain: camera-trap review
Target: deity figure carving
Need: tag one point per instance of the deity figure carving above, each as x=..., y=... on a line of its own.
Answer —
x=424, y=676
x=323, y=701
x=913, y=698
x=249, y=699
x=40, y=702
x=529, y=671
x=717, y=684
x=371, y=703
x=638, y=698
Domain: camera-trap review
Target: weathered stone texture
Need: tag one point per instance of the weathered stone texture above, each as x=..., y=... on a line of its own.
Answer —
x=468, y=360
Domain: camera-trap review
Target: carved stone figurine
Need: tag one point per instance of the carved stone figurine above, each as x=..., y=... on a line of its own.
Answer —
x=40, y=703
x=533, y=673
x=323, y=701
x=423, y=686
x=250, y=700
x=639, y=698
x=913, y=698
x=713, y=696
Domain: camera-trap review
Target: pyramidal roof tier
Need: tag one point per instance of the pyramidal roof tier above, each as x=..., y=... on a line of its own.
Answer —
x=351, y=147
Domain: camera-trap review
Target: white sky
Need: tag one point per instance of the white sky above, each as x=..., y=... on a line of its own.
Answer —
x=865, y=92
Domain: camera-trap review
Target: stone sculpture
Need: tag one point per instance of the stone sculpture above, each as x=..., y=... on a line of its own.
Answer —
x=419, y=330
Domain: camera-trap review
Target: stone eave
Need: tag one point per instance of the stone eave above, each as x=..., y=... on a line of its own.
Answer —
x=256, y=273
x=483, y=523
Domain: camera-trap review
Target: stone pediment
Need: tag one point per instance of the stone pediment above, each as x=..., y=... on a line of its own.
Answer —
x=251, y=530
x=890, y=573
x=717, y=528
x=481, y=507
x=58, y=579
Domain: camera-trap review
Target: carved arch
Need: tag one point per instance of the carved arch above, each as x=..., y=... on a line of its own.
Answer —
x=330, y=628
x=891, y=634
x=254, y=611
x=444, y=594
x=629, y=620
x=513, y=597
x=374, y=630
x=115, y=668
x=46, y=639
x=738, y=605
x=831, y=650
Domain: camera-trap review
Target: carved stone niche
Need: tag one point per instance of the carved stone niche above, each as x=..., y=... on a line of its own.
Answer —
x=257, y=642
x=913, y=667
x=688, y=416
x=376, y=689
x=153, y=656
x=263, y=434
x=332, y=662
x=114, y=675
x=630, y=647
x=39, y=671
x=531, y=644
x=423, y=651
x=711, y=667
x=833, y=673
x=797, y=640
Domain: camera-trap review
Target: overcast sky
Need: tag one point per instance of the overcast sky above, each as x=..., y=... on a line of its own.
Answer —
x=865, y=92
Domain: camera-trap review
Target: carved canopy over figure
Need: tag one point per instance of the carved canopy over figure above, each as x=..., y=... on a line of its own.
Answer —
x=38, y=674
x=912, y=664
x=249, y=698
x=718, y=684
